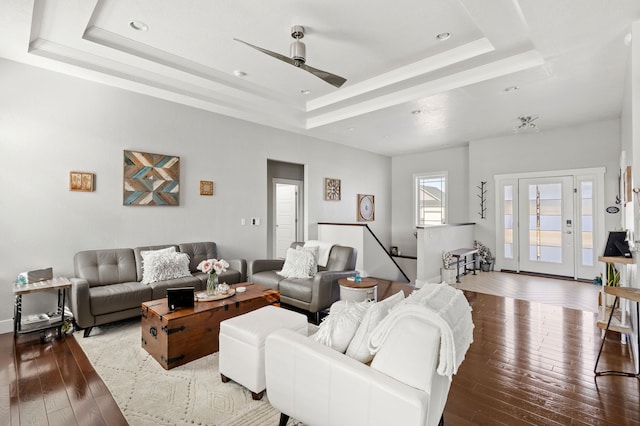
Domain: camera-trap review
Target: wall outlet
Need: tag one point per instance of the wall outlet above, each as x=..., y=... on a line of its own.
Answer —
x=255, y=221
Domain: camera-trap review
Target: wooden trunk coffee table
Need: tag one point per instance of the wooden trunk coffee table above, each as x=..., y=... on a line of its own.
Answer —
x=176, y=337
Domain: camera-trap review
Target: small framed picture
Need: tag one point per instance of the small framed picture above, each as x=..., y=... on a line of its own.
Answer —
x=332, y=190
x=206, y=187
x=81, y=181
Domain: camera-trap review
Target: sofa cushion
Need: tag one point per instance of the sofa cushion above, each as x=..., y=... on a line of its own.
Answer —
x=338, y=328
x=297, y=288
x=359, y=347
x=105, y=267
x=198, y=252
x=162, y=265
x=159, y=288
x=107, y=299
x=341, y=258
x=299, y=263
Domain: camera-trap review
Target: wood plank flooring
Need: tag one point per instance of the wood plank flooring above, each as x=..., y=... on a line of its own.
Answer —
x=530, y=363
x=52, y=384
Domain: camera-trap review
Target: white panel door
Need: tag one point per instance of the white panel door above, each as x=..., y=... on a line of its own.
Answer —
x=286, y=217
x=546, y=225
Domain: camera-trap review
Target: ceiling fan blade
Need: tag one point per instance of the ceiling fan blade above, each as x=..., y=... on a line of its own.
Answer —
x=270, y=53
x=334, y=80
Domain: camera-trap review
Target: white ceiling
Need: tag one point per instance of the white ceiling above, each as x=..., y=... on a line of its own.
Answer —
x=568, y=58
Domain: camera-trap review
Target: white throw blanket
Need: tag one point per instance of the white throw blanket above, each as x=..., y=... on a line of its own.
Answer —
x=439, y=304
x=324, y=249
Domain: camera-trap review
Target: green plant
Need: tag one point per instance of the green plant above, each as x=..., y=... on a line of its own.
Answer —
x=613, y=275
x=484, y=252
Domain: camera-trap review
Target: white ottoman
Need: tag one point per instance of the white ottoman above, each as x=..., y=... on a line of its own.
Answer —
x=241, y=356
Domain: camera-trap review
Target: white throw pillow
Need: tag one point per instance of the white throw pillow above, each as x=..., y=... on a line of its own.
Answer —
x=170, y=249
x=314, y=251
x=159, y=252
x=164, y=266
x=359, y=347
x=338, y=328
x=297, y=264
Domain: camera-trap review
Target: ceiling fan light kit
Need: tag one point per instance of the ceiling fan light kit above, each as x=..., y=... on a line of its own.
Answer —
x=298, y=57
x=526, y=123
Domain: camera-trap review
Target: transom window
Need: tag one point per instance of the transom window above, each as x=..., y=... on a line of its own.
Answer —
x=431, y=198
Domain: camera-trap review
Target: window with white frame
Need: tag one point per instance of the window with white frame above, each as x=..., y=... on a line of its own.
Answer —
x=431, y=198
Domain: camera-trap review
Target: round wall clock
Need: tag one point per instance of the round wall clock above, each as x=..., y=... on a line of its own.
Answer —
x=366, y=208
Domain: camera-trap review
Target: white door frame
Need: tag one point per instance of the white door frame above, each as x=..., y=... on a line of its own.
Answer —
x=595, y=174
x=299, y=209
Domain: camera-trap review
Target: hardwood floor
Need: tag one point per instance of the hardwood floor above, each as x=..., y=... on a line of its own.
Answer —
x=52, y=384
x=530, y=363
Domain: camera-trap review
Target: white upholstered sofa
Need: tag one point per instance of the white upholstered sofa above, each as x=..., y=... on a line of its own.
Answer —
x=403, y=385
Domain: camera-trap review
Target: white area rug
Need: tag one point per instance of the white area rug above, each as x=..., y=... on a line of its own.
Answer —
x=147, y=394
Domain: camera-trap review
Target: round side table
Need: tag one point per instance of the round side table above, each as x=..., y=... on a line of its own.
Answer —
x=358, y=292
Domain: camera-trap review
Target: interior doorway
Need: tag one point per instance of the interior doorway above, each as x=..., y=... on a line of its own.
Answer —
x=286, y=217
x=287, y=214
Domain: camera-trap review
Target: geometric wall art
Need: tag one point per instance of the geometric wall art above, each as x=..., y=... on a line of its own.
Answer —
x=151, y=179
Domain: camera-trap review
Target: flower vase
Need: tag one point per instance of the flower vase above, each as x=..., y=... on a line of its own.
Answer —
x=212, y=284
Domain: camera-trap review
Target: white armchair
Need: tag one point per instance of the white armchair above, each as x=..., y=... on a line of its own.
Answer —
x=320, y=386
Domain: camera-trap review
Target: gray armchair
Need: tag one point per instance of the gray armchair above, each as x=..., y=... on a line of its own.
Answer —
x=310, y=294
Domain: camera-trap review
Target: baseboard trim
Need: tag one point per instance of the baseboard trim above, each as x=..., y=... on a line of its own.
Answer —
x=6, y=326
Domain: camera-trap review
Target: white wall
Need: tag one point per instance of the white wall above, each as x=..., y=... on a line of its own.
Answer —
x=589, y=145
x=455, y=161
x=51, y=124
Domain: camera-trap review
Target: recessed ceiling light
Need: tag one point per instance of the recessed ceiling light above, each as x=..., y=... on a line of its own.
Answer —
x=416, y=111
x=511, y=88
x=138, y=25
x=443, y=36
x=305, y=91
x=239, y=73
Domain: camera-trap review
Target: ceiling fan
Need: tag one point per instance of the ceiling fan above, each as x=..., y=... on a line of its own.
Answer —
x=526, y=123
x=298, y=57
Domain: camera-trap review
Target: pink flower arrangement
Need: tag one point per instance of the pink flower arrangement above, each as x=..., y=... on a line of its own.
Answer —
x=213, y=265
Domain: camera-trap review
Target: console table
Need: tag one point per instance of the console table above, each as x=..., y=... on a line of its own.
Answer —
x=461, y=256
x=620, y=320
x=61, y=284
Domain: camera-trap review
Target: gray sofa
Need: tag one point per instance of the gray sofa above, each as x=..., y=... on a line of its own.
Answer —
x=108, y=286
x=310, y=294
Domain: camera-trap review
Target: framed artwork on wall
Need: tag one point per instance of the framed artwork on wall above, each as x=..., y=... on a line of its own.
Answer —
x=332, y=189
x=81, y=181
x=206, y=187
x=366, y=208
x=151, y=179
